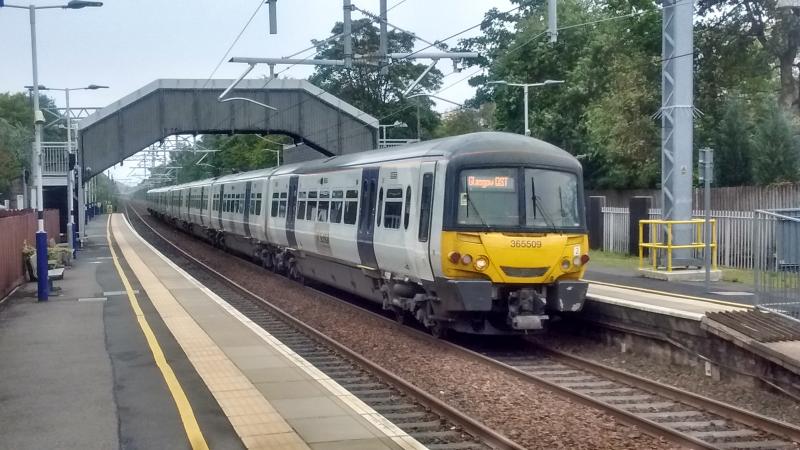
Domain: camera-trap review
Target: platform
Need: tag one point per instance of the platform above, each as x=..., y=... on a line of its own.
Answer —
x=721, y=326
x=136, y=353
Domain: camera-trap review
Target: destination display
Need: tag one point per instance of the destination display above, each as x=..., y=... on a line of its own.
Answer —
x=491, y=183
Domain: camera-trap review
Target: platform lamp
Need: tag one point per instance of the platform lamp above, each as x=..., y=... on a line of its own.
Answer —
x=38, y=121
x=72, y=235
x=525, y=87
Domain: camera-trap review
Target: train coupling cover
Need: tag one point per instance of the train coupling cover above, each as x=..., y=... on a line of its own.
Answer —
x=529, y=321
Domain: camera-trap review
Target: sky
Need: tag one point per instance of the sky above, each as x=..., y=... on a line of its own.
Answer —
x=126, y=44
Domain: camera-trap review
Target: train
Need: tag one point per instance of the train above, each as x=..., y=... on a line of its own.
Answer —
x=482, y=233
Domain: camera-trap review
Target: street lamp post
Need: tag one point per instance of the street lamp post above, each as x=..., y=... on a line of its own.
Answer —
x=72, y=235
x=38, y=121
x=525, y=87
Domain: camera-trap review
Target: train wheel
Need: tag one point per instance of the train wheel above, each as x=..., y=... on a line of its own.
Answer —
x=439, y=331
x=294, y=272
x=400, y=315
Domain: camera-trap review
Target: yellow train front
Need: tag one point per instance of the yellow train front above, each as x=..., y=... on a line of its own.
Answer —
x=513, y=244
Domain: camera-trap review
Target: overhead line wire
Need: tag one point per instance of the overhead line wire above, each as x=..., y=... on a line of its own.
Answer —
x=238, y=36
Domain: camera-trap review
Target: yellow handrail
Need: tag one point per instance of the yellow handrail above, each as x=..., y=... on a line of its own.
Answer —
x=653, y=226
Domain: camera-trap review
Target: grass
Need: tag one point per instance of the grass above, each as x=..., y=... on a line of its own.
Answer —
x=623, y=261
x=615, y=260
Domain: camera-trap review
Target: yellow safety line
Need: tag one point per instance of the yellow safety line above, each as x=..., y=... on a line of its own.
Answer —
x=670, y=294
x=181, y=401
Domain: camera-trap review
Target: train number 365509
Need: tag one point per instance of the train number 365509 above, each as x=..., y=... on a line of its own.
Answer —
x=518, y=243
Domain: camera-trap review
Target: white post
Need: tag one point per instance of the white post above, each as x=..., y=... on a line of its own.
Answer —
x=70, y=219
x=527, y=125
x=38, y=120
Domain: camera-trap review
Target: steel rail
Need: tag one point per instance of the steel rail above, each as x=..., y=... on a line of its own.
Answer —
x=469, y=424
x=752, y=419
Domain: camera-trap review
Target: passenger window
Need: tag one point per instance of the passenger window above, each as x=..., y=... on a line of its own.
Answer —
x=274, y=211
x=394, y=208
x=426, y=197
x=408, y=208
x=380, y=207
x=301, y=210
x=282, y=205
x=351, y=207
x=322, y=211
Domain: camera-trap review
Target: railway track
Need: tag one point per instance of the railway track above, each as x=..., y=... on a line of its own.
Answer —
x=679, y=416
x=421, y=415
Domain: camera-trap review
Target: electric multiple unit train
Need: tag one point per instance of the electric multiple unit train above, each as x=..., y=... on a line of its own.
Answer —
x=482, y=233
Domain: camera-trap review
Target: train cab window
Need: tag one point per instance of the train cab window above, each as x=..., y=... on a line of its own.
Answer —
x=394, y=208
x=282, y=205
x=274, y=211
x=426, y=198
x=301, y=206
x=407, y=215
x=488, y=197
x=311, y=207
x=351, y=207
x=336, y=206
x=380, y=207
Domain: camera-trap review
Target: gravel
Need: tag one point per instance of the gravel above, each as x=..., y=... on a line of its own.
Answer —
x=528, y=414
x=762, y=401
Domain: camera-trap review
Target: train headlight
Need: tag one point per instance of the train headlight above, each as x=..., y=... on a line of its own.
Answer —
x=481, y=263
x=576, y=261
x=565, y=265
x=466, y=259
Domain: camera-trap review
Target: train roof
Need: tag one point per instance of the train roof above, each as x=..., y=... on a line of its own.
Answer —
x=487, y=146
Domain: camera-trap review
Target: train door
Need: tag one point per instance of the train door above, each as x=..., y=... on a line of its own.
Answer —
x=423, y=214
x=291, y=238
x=389, y=242
x=366, y=217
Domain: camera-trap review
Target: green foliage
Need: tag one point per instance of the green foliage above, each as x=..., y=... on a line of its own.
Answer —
x=16, y=135
x=732, y=142
x=380, y=95
x=467, y=121
x=777, y=154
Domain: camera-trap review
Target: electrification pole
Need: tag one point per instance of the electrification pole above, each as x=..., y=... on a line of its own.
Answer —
x=676, y=121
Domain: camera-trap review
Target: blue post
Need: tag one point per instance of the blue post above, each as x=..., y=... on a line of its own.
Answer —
x=41, y=265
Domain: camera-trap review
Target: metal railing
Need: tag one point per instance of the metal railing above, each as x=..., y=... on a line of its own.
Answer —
x=776, y=244
x=664, y=228
x=54, y=158
x=388, y=143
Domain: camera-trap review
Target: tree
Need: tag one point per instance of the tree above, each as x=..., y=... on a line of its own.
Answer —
x=776, y=30
x=776, y=148
x=467, y=121
x=733, y=146
x=364, y=87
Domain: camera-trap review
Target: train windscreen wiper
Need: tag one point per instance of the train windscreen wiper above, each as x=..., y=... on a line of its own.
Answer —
x=538, y=207
x=475, y=208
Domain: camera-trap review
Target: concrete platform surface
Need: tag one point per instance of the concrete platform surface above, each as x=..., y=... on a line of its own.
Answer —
x=271, y=396
x=76, y=372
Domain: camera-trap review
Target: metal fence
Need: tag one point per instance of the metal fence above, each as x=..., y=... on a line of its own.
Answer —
x=776, y=242
x=734, y=234
x=54, y=158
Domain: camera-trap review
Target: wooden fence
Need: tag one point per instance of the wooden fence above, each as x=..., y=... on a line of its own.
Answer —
x=741, y=198
x=734, y=234
x=17, y=228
